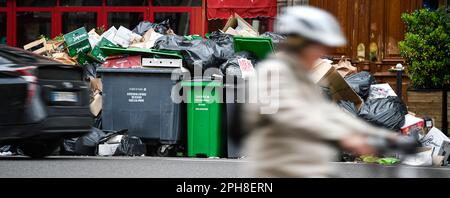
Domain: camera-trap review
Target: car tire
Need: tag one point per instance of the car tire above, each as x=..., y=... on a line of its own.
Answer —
x=40, y=148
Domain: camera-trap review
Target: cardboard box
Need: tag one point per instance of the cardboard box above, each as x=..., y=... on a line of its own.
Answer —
x=110, y=34
x=325, y=75
x=77, y=42
x=381, y=91
x=412, y=122
x=123, y=37
x=95, y=84
x=435, y=139
x=148, y=40
x=62, y=57
x=96, y=104
x=237, y=26
x=94, y=38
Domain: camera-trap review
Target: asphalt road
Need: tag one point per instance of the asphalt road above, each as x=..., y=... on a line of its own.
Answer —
x=151, y=167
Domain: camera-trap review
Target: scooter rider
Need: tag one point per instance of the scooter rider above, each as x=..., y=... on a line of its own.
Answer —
x=296, y=138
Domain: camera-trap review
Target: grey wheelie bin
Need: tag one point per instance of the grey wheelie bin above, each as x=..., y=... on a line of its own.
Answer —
x=139, y=100
x=235, y=99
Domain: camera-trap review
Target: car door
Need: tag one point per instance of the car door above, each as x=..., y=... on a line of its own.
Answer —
x=13, y=95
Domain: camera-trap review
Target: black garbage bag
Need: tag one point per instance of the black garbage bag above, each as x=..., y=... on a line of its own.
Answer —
x=144, y=26
x=348, y=106
x=87, y=144
x=225, y=44
x=131, y=146
x=204, y=53
x=231, y=66
x=90, y=70
x=360, y=83
x=277, y=39
x=385, y=112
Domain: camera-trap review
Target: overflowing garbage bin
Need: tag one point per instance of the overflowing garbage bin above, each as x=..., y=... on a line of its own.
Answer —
x=204, y=121
x=139, y=100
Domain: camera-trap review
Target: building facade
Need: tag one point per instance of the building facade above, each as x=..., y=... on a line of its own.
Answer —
x=373, y=27
x=22, y=21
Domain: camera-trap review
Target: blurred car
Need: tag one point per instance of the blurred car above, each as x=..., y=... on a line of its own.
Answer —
x=41, y=102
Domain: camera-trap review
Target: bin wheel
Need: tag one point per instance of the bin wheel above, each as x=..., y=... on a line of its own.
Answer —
x=164, y=150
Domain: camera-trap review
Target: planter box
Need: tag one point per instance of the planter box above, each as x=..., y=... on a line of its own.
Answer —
x=428, y=103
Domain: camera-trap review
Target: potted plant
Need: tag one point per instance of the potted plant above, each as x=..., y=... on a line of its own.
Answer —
x=426, y=49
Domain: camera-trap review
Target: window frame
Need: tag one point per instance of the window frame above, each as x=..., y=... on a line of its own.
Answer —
x=197, y=23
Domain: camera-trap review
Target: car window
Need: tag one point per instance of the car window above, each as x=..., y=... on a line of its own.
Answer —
x=19, y=55
x=24, y=56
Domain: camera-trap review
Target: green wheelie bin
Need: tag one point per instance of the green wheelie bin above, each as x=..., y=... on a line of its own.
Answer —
x=204, y=116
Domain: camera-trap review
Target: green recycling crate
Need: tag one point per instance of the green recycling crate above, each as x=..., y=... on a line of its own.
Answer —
x=260, y=46
x=97, y=52
x=77, y=42
x=82, y=59
x=204, y=118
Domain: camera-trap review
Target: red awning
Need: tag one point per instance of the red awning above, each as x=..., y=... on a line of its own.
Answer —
x=223, y=9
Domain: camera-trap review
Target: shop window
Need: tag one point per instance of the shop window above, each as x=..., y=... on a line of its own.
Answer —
x=74, y=20
x=31, y=25
x=36, y=3
x=2, y=28
x=125, y=19
x=80, y=2
x=179, y=21
x=196, y=3
x=2, y=3
x=126, y=2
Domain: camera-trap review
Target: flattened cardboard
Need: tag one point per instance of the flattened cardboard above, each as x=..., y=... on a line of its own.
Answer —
x=96, y=84
x=123, y=37
x=96, y=104
x=235, y=21
x=94, y=38
x=126, y=62
x=325, y=75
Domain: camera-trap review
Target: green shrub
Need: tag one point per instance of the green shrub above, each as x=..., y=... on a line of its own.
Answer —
x=426, y=48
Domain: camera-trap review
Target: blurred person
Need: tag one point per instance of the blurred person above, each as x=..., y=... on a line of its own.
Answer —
x=299, y=137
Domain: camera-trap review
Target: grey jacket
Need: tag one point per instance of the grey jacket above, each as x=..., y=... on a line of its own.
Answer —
x=293, y=141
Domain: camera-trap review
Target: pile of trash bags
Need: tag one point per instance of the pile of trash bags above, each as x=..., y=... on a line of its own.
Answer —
x=381, y=106
x=388, y=111
x=360, y=83
x=201, y=53
x=98, y=142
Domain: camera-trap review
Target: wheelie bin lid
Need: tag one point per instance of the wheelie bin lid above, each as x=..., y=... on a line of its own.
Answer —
x=110, y=51
x=140, y=70
x=201, y=83
x=260, y=46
